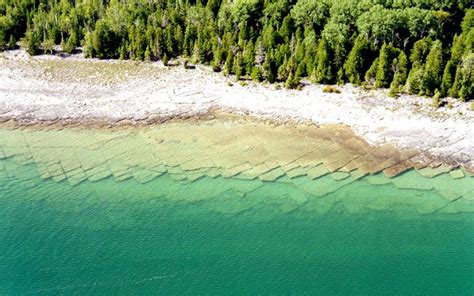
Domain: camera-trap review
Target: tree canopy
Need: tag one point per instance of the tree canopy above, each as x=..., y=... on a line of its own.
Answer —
x=414, y=46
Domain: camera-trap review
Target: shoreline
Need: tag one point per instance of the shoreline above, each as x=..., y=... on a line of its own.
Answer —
x=72, y=90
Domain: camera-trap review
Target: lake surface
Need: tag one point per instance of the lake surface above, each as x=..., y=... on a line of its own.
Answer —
x=133, y=224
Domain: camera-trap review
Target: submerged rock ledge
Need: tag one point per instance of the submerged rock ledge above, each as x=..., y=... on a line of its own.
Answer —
x=397, y=134
x=230, y=147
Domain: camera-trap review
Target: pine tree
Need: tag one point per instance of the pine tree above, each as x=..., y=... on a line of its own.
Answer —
x=323, y=73
x=147, y=54
x=282, y=73
x=301, y=69
x=286, y=28
x=400, y=68
x=268, y=37
x=249, y=58
x=433, y=70
x=414, y=79
x=238, y=66
x=270, y=68
x=170, y=40
x=48, y=45
x=355, y=64
x=3, y=37
x=382, y=77
x=466, y=81
x=12, y=42
x=420, y=50
x=369, y=76
x=178, y=38
x=70, y=45
x=33, y=42
x=189, y=36
x=449, y=83
x=447, y=80
x=229, y=63
x=257, y=74
x=289, y=83
x=454, y=90
x=461, y=44
x=196, y=58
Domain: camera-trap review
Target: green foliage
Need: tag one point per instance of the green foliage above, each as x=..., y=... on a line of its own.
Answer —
x=382, y=77
x=323, y=71
x=238, y=66
x=381, y=24
x=420, y=51
x=103, y=42
x=371, y=72
x=331, y=89
x=311, y=13
x=70, y=45
x=12, y=42
x=414, y=79
x=433, y=70
x=270, y=68
x=436, y=100
x=327, y=40
x=48, y=45
x=229, y=63
x=356, y=62
x=32, y=42
x=466, y=79
x=400, y=68
x=257, y=74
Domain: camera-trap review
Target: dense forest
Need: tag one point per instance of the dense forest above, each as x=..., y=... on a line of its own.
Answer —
x=413, y=46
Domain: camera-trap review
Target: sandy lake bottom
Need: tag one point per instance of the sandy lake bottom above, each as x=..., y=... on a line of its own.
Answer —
x=202, y=209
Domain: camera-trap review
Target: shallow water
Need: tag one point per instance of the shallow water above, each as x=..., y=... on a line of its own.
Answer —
x=175, y=232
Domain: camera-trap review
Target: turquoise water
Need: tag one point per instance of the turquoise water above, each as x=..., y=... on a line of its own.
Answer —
x=226, y=236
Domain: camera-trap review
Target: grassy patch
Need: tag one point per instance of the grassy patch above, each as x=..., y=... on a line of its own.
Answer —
x=331, y=89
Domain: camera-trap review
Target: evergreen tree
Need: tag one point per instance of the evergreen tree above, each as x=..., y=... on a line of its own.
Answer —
x=466, y=80
x=400, y=68
x=197, y=53
x=48, y=45
x=70, y=45
x=420, y=50
x=305, y=37
x=382, y=77
x=355, y=64
x=447, y=80
x=33, y=42
x=257, y=74
x=270, y=68
x=249, y=58
x=290, y=81
x=229, y=63
x=147, y=54
x=369, y=76
x=323, y=72
x=433, y=70
x=282, y=73
x=238, y=66
x=11, y=42
x=449, y=72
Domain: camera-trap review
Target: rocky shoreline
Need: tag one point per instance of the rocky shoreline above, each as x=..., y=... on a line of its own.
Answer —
x=74, y=91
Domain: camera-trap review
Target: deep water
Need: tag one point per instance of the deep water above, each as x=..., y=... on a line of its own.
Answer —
x=225, y=236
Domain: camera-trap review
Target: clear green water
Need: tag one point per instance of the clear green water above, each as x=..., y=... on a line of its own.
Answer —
x=227, y=236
